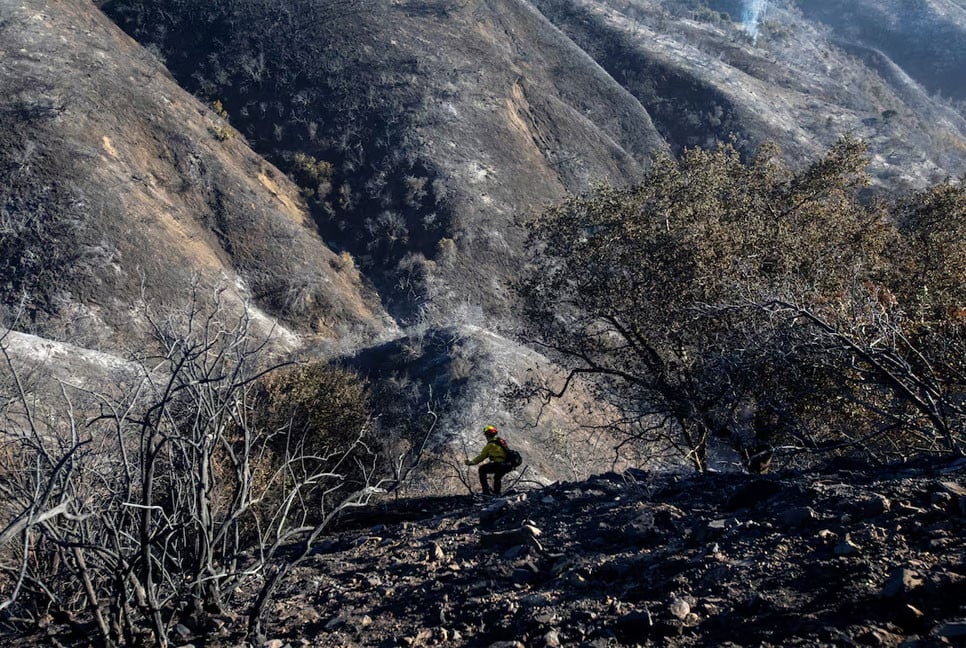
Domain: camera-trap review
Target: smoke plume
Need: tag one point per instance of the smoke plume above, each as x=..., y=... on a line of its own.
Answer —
x=751, y=16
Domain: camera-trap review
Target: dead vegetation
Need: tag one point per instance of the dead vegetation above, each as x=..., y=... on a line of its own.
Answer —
x=128, y=513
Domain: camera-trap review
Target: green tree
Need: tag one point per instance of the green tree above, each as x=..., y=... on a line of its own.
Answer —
x=716, y=287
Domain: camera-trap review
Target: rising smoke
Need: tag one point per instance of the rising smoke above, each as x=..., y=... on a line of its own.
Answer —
x=751, y=16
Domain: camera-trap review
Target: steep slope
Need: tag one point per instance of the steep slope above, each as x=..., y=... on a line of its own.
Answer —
x=419, y=130
x=119, y=188
x=449, y=382
x=439, y=121
x=436, y=123
x=399, y=141
x=703, y=75
x=522, y=116
x=835, y=558
x=926, y=39
x=795, y=560
x=124, y=198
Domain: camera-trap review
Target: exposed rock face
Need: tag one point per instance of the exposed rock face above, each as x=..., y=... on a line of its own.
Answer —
x=640, y=559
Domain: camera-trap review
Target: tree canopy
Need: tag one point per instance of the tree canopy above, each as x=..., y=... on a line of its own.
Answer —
x=768, y=307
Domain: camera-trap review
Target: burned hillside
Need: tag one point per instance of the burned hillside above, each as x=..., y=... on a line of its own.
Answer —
x=840, y=557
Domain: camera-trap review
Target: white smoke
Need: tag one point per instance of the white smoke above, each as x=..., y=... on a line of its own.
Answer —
x=751, y=16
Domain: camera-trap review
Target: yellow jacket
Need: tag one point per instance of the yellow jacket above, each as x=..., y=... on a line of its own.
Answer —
x=492, y=451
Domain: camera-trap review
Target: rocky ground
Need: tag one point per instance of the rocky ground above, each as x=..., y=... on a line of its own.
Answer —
x=844, y=557
x=837, y=558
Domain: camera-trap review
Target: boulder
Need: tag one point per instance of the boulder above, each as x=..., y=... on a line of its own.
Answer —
x=873, y=505
x=752, y=494
x=635, y=626
x=952, y=629
x=679, y=608
x=846, y=548
x=525, y=535
x=797, y=517
x=901, y=582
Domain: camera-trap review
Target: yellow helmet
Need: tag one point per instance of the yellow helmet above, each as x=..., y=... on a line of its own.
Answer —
x=489, y=431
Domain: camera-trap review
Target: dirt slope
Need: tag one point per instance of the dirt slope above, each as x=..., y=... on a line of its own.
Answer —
x=126, y=189
x=818, y=559
x=407, y=136
x=439, y=122
x=824, y=559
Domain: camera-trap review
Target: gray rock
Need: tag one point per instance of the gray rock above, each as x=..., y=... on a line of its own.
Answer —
x=799, y=516
x=951, y=629
x=536, y=600
x=493, y=512
x=552, y=639
x=846, y=548
x=525, y=535
x=905, y=508
x=423, y=636
x=901, y=582
x=217, y=623
x=679, y=608
x=953, y=488
x=436, y=553
x=878, y=637
x=946, y=581
x=827, y=536
x=515, y=552
x=874, y=504
x=336, y=622
x=639, y=623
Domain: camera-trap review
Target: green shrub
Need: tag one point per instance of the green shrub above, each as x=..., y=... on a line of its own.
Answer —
x=313, y=175
x=320, y=408
x=717, y=286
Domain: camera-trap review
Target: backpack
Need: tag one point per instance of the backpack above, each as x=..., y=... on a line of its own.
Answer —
x=513, y=458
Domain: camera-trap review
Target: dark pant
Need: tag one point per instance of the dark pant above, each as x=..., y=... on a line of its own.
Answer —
x=497, y=469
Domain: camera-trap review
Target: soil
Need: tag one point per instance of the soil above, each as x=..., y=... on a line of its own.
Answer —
x=842, y=557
